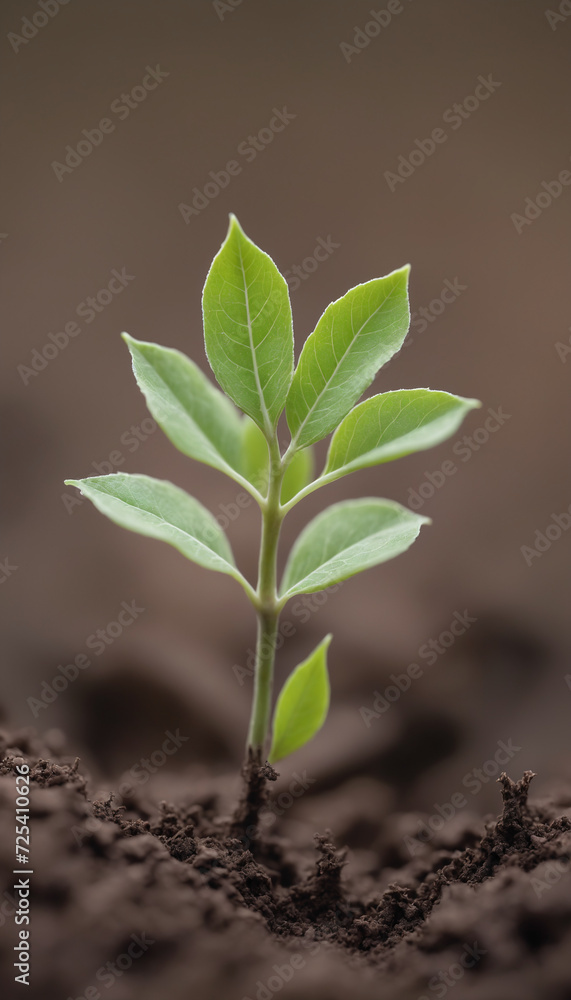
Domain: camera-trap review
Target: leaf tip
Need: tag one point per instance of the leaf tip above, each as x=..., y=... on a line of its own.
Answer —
x=402, y=272
x=132, y=342
x=234, y=225
x=326, y=642
x=400, y=275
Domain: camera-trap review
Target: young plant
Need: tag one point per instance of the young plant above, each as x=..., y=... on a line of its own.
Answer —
x=249, y=343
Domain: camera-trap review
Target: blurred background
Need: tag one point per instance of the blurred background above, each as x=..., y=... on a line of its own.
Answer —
x=117, y=233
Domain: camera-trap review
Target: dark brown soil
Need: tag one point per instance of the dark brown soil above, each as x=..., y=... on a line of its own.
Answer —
x=181, y=901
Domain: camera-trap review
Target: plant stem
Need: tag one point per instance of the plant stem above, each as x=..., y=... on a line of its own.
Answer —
x=265, y=652
x=267, y=606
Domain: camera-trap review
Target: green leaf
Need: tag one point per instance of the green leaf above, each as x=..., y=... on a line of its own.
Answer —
x=198, y=419
x=392, y=425
x=298, y=474
x=344, y=540
x=302, y=706
x=248, y=328
x=355, y=336
x=160, y=510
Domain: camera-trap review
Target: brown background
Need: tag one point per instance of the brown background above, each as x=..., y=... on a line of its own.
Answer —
x=321, y=176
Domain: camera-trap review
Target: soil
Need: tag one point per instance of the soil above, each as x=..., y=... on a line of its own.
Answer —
x=179, y=900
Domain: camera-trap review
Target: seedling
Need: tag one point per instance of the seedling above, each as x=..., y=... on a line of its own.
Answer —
x=249, y=343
